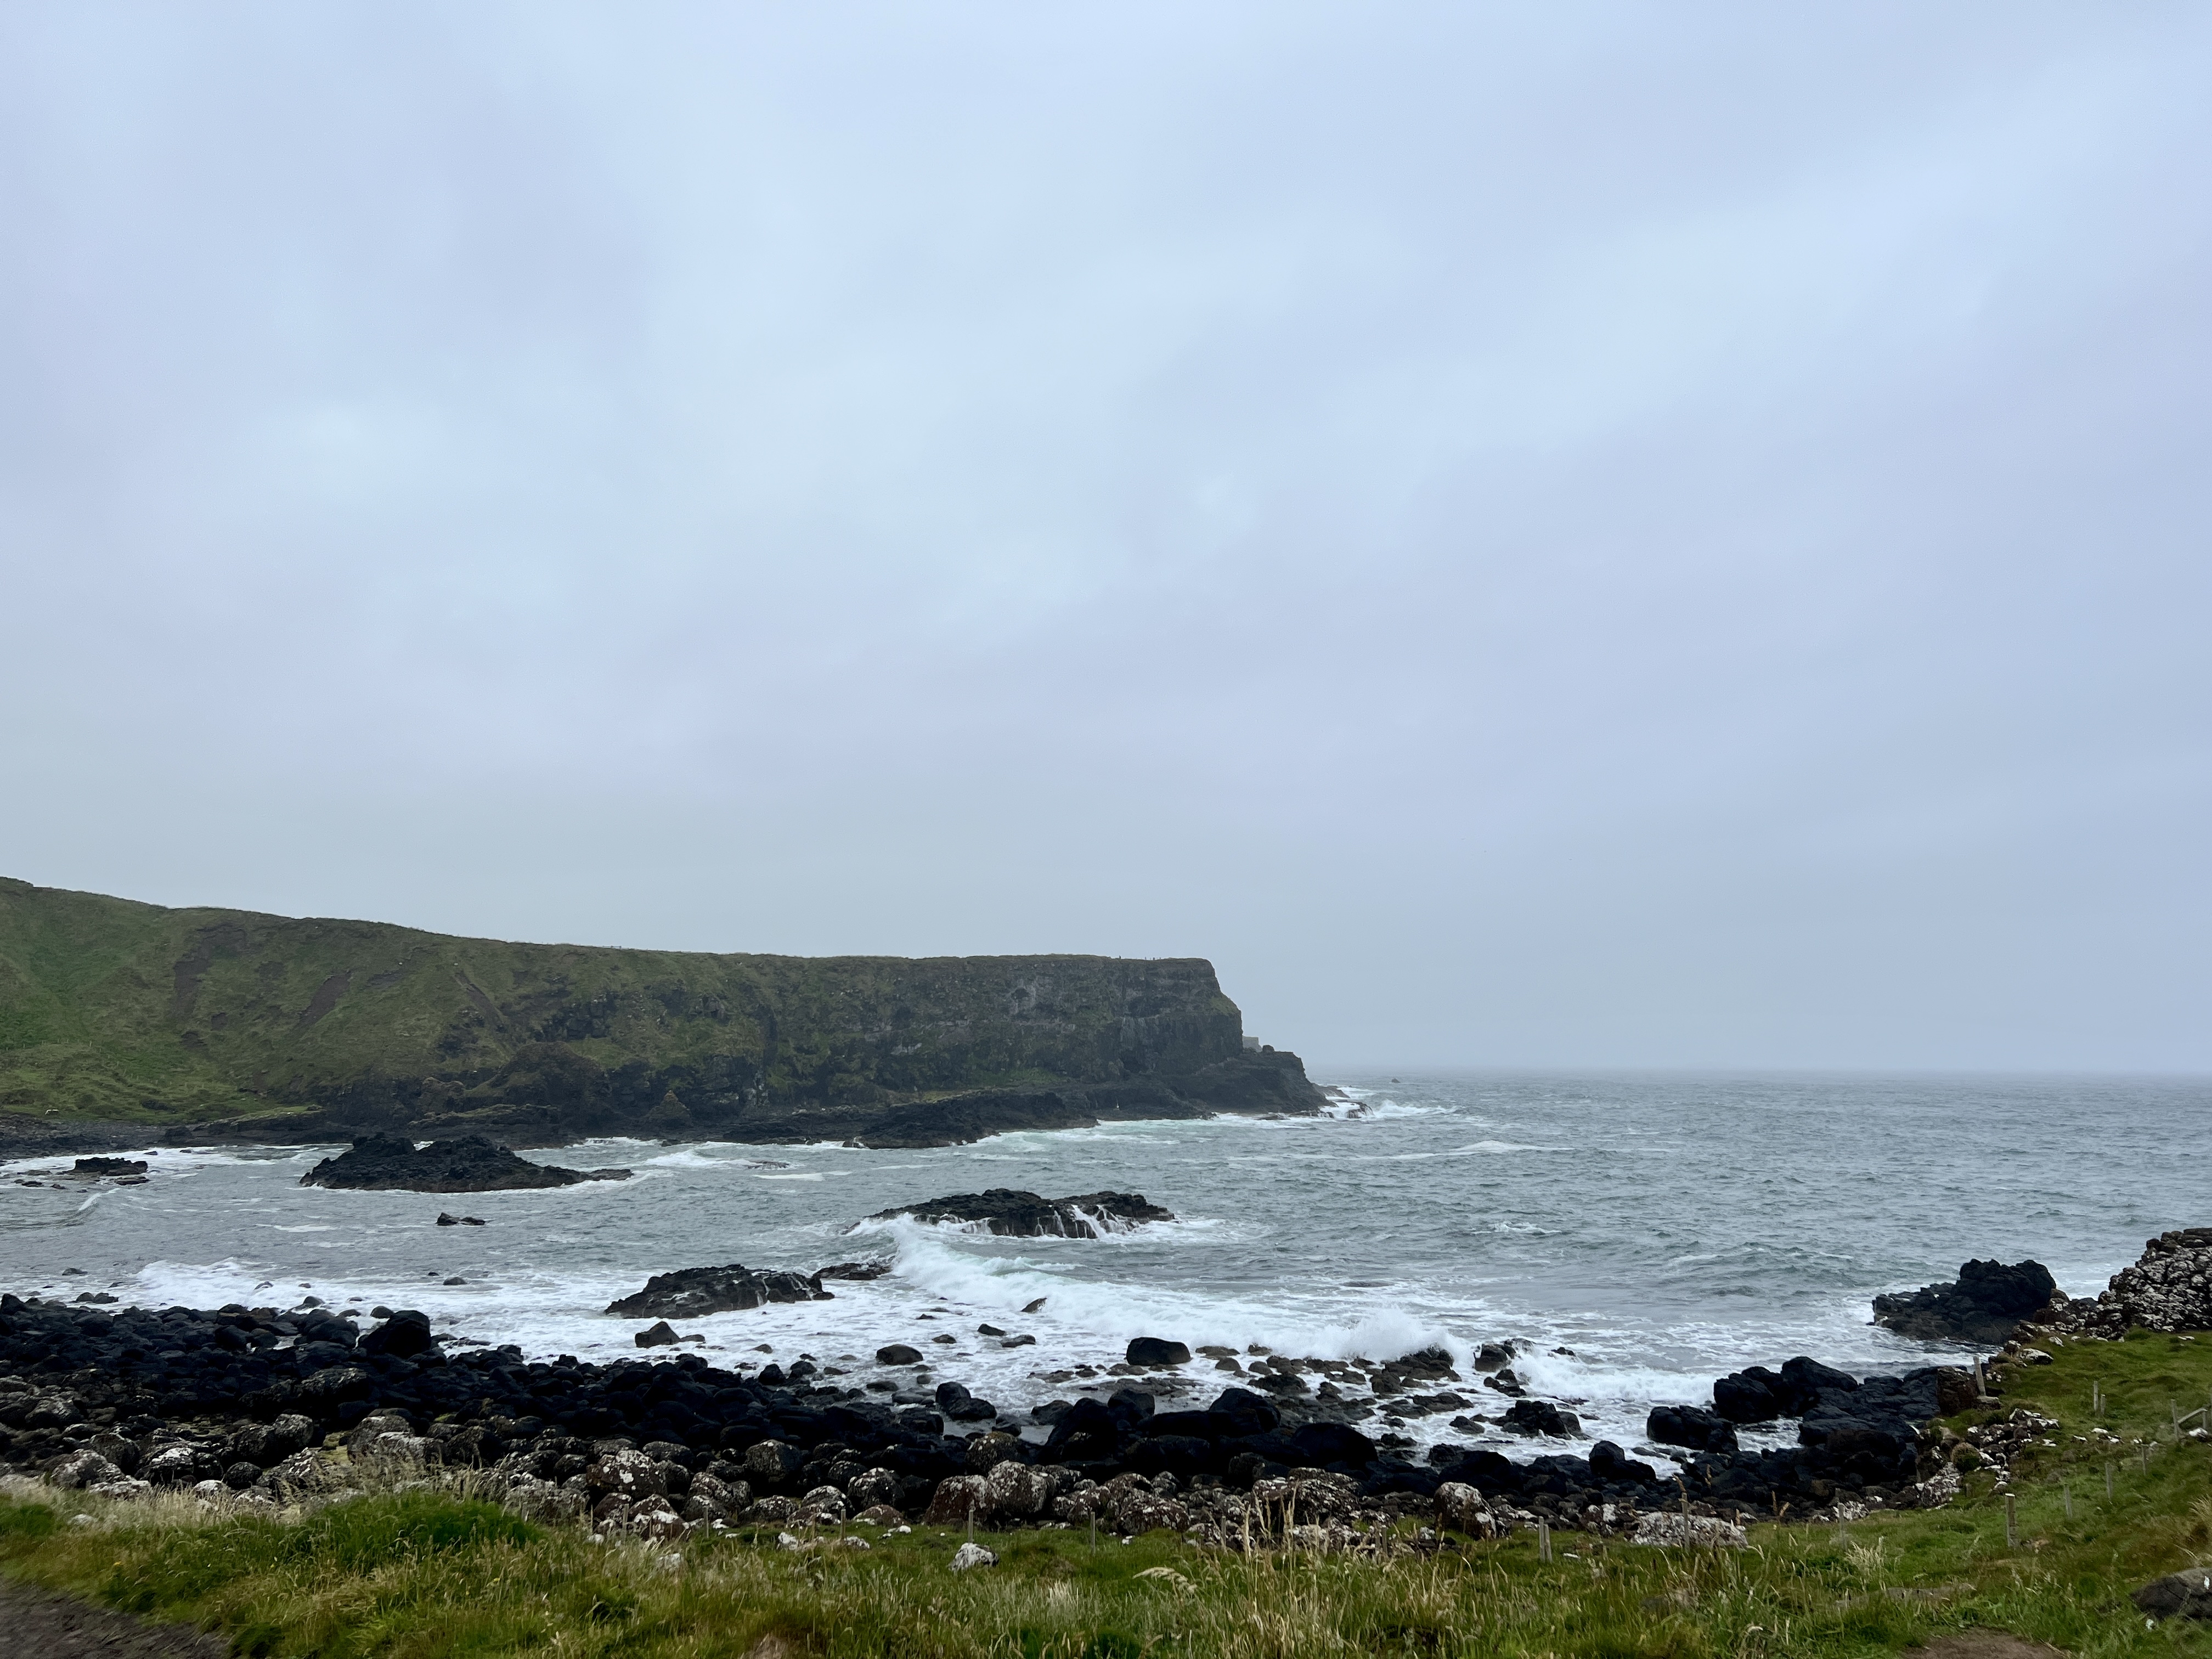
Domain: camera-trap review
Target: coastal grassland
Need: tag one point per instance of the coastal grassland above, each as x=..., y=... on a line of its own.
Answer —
x=133, y=1013
x=431, y=1573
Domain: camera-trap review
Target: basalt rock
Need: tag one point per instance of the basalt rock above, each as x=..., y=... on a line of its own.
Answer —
x=1984, y=1304
x=94, y=1168
x=653, y=1444
x=694, y=1293
x=2168, y=1289
x=1013, y=1214
x=388, y=1163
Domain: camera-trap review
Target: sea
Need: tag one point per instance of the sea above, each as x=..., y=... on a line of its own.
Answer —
x=1633, y=1236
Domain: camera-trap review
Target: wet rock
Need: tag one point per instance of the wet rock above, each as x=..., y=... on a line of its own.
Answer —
x=694, y=1293
x=1155, y=1350
x=95, y=1167
x=383, y=1162
x=1984, y=1304
x=1689, y=1425
x=659, y=1335
x=1531, y=1417
x=957, y=1403
x=1015, y=1214
x=898, y=1353
x=405, y=1334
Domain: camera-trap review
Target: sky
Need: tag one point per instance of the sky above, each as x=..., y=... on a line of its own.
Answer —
x=1579, y=535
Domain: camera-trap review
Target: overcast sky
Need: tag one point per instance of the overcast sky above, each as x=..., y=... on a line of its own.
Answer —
x=1563, y=534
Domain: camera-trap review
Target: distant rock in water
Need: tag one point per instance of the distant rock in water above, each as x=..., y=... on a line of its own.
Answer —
x=94, y=1168
x=1024, y=1215
x=692, y=1292
x=1987, y=1301
x=390, y=1163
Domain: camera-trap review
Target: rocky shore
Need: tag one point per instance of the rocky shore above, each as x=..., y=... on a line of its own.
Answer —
x=259, y=1405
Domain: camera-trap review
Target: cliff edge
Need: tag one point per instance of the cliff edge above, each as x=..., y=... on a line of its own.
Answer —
x=231, y=1023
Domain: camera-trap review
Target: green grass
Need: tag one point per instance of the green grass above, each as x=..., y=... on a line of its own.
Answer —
x=427, y=1573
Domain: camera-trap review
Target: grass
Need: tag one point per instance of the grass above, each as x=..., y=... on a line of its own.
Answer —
x=435, y=1573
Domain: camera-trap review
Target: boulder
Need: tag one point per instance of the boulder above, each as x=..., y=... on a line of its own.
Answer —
x=403, y=1335
x=1014, y=1214
x=1984, y=1306
x=1690, y=1425
x=659, y=1335
x=1540, y=1416
x=898, y=1353
x=1155, y=1350
x=694, y=1293
x=94, y=1168
x=470, y=1163
x=2184, y=1595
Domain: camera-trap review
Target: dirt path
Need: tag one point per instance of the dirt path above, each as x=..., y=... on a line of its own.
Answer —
x=41, y=1625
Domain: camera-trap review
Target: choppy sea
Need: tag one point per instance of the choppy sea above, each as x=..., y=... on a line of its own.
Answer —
x=1637, y=1235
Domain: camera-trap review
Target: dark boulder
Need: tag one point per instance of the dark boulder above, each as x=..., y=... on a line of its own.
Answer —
x=1540, y=1416
x=1329, y=1444
x=659, y=1335
x=694, y=1293
x=1155, y=1350
x=1982, y=1305
x=957, y=1403
x=1610, y=1464
x=385, y=1163
x=1690, y=1425
x=94, y=1168
x=1014, y=1214
x=898, y=1353
x=1246, y=1412
x=2184, y=1595
x=1747, y=1396
x=404, y=1335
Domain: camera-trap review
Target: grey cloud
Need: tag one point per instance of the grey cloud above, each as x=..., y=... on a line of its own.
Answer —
x=1579, y=535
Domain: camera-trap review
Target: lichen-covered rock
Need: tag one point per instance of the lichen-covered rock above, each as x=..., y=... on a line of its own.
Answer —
x=1462, y=1506
x=822, y=1506
x=2168, y=1289
x=958, y=1497
x=1017, y=1491
x=1667, y=1527
x=86, y=1469
x=872, y=1487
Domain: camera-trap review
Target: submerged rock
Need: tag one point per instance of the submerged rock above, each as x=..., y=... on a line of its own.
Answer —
x=379, y=1162
x=692, y=1292
x=1013, y=1214
x=1984, y=1304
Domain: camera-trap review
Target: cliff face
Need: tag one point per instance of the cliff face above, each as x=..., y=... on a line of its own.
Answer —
x=114, y=1009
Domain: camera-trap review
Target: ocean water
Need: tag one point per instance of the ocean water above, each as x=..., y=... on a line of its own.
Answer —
x=1637, y=1234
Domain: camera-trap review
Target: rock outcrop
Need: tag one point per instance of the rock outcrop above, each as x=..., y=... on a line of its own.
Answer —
x=1982, y=1306
x=1014, y=1214
x=694, y=1293
x=392, y=1164
x=2169, y=1288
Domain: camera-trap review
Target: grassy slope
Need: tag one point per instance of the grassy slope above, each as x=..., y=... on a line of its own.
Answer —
x=124, y=1011
x=426, y=1574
